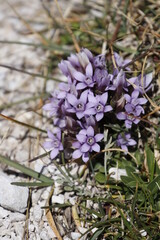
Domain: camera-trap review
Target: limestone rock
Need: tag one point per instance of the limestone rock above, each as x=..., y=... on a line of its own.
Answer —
x=12, y=197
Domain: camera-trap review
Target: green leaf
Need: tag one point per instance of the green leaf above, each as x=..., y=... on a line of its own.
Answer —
x=98, y=214
x=32, y=184
x=138, y=157
x=97, y=166
x=97, y=234
x=129, y=170
x=150, y=161
x=102, y=170
x=154, y=186
x=100, y=177
x=26, y=170
x=128, y=181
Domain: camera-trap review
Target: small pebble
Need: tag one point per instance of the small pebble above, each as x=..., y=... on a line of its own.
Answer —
x=143, y=233
x=58, y=199
x=75, y=235
x=37, y=213
x=31, y=227
x=43, y=235
x=116, y=173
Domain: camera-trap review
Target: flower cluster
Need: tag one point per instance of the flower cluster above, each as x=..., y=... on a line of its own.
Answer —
x=83, y=104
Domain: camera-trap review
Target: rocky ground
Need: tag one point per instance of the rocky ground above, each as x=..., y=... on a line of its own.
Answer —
x=21, y=216
x=25, y=83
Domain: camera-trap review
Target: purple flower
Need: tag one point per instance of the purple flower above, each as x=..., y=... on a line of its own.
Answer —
x=99, y=61
x=87, y=142
x=88, y=53
x=54, y=144
x=75, y=62
x=129, y=119
x=54, y=107
x=99, y=105
x=102, y=78
x=133, y=109
x=142, y=85
x=119, y=82
x=133, y=103
x=120, y=62
x=125, y=140
x=78, y=105
x=86, y=80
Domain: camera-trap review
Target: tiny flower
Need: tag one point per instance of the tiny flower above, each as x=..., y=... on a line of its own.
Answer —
x=120, y=62
x=119, y=82
x=133, y=103
x=125, y=140
x=86, y=80
x=54, y=144
x=87, y=142
x=102, y=78
x=99, y=61
x=78, y=105
x=83, y=58
x=54, y=107
x=129, y=119
x=142, y=85
x=64, y=68
x=99, y=105
x=88, y=53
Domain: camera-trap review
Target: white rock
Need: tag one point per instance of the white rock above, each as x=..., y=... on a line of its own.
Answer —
x=37, y=213
x=74, y=172
x=82, y=229
x=58, y=199
x=66, y=238
x=75, y=235
x=31, y=228
x=143, y=233
x=19, y=229
x=72, y=200
x=44, y=235
x=51, y=168
x=39, y=238
x=4, y=213
x=5, y=238
x=45, y=195
x=6, y=223
x=50, y=232
x=116, y=173
x=94, y=230
x=16, y=217
x=12, y=197
x=1, y=222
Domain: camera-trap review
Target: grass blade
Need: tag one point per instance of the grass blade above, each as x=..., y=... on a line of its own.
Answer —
x=23, y=124
x=50, y=46
x=26, y=170
x=30, y=73
x=32, y=184
x=97, y=234
x=8, y=105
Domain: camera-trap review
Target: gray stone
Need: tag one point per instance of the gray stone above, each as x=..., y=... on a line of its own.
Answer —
x=4, y=213
x=37, y=213
x=12, y=197
x=16, y=217
x=58, y=199
x=75, y=235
